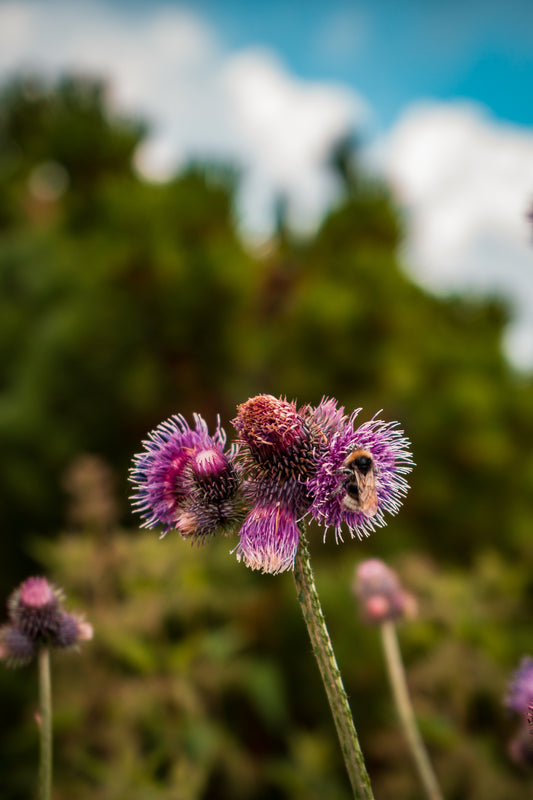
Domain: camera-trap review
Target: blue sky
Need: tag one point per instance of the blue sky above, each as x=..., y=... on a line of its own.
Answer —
x=392, y=52
x=396, y=51
x=438, y=94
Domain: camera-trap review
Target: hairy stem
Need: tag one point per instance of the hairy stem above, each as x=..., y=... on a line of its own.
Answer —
x=45, y=725
x=327, y=664
x=405, y=711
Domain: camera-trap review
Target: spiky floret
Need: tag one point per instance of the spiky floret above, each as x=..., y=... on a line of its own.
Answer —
x=392, y=460
x=185, y=480
x=269, y=538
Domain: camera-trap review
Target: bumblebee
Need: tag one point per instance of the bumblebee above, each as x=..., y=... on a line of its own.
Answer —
x=360, y=486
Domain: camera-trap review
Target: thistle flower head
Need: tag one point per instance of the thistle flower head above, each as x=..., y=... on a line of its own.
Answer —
x=37, y=618
x=381, y=481
x=519, y=695
x=277, y=455
x=380, y=593
x=185, y=480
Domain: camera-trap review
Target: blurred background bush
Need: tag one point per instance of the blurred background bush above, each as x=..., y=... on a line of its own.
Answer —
x=122, y=302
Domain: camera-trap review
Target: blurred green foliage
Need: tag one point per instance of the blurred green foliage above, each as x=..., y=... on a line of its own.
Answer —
x=122, y=302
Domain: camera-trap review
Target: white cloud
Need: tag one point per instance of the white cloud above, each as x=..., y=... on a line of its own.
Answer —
x=466, y=183
x=167, y=65
x=285, y=129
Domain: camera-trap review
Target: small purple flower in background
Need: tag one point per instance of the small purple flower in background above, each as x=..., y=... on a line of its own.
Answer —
x=37, y=618
x=519, y=698
x=521, y=747
x=519, y=695
x=380, y=593
x=185, y=480
x=277, y=454
x=380, y=449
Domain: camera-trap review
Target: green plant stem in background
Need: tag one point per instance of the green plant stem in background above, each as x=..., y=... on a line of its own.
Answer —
x=405, y=710
x=45, y=725
x=327, y=663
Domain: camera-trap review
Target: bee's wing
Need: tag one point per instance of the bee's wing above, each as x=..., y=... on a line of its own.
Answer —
x=368, y=499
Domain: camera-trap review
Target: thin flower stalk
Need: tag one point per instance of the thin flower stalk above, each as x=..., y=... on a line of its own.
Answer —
x=45, y=725
x=405, y=710
x=329, y=671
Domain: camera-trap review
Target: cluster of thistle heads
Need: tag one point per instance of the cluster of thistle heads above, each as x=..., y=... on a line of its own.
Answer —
x=37, y=619
x=287, y=465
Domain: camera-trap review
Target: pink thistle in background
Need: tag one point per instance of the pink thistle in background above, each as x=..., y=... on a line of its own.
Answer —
x=379, y=591
x=37, y=618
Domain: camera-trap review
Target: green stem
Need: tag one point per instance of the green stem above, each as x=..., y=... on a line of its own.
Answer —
x=327, y=664
x=45, y=725
x=406, y=714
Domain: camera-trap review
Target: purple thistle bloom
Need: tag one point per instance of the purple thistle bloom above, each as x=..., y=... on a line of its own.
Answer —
x=391, y=460
x=269, y=538
x=277, y=453
x=520, y=690
x=184, y=479
x=38, y=619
